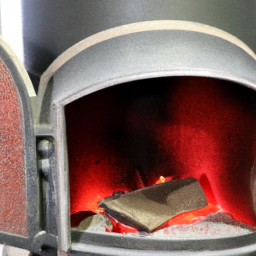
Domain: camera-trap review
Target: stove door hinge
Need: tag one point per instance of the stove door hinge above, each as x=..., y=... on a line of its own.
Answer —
x=46, y=166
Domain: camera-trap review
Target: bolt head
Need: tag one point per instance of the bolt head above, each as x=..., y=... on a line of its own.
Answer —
x=45, y=149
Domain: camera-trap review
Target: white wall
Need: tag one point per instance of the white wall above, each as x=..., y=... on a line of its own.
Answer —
x=11, y=25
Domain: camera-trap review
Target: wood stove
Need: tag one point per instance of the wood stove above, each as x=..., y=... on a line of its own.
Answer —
x=128, y=90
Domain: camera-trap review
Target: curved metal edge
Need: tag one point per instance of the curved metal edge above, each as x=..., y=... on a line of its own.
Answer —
x=164, y=73
x=64, y=235
x=82, y=249
x=130, y=29
x=197, y=55
x=23, y=84
x=59, y=102
x=87, y=241
x=20, y=68
x=85, y=18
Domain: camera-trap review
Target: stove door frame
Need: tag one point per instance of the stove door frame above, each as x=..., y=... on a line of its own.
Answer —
x=123, y=54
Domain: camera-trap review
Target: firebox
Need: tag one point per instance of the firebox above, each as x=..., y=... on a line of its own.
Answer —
x=176, y=127
x=129, y=99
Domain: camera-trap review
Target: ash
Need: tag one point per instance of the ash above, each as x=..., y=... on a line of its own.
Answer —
x=216, y=225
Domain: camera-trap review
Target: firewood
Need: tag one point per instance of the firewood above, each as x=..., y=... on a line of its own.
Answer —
x=149, y=207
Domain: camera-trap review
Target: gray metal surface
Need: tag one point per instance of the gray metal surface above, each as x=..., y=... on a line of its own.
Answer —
x=127, y=58
x=107, y=251
x=86, y=241
x=144, y=55
x=51, y=27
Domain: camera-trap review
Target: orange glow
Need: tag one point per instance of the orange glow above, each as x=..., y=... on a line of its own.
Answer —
x=191, y=217
x=161, y=180
x=118, y=227
x=99, y=210
x=180, y=219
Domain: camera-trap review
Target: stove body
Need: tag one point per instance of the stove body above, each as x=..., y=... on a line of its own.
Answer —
x=76, y=49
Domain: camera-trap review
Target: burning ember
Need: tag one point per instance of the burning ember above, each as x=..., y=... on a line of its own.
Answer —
x=161, y=180
x=209, y=221
x=196, y=221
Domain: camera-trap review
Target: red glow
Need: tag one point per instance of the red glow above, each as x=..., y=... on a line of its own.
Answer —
x=180, y=219
x=100, y=210
x=118, y=227
x=191, y=217
x=125, y=137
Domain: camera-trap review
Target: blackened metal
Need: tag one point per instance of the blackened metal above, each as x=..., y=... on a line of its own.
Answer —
x=117, y=194
x=148, y=208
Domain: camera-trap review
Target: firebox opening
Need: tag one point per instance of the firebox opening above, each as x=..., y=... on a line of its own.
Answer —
x=138, y=133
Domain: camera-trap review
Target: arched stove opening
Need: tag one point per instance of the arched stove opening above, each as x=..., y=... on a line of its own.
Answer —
x=124, y=137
